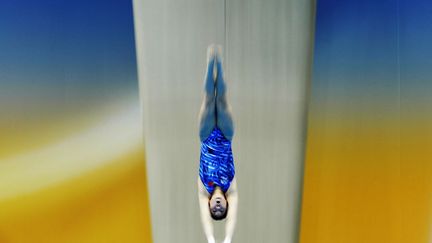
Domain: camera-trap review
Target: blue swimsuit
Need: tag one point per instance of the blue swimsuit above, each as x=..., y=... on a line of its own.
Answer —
x=216, y=162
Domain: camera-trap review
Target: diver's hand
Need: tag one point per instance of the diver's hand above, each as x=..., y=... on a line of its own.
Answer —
x=227, y=240
x=211, y=239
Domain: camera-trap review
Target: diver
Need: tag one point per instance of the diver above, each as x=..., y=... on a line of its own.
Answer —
x=217, y=186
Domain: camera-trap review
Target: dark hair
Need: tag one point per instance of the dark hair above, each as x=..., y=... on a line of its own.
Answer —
x=219, y=217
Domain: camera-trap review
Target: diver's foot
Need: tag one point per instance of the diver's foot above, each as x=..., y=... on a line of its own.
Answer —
x=209, y=81
x=211, y=52
x=220, y=79
x=219, y=53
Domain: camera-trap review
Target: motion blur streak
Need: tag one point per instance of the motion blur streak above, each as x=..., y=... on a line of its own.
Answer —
x=111, y=139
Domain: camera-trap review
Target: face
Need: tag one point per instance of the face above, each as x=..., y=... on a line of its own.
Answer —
x=218, y=203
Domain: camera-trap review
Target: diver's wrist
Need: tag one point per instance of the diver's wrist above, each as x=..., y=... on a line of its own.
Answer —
x=211, y=239
x=227, y=240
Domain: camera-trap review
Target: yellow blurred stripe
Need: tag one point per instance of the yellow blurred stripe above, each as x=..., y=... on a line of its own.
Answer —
x=81, y=180
x=109, y=204
x=84, y=151
x=367, y=180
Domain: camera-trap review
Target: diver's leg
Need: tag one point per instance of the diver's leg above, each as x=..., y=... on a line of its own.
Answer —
x=207, y=116
x=224, y=116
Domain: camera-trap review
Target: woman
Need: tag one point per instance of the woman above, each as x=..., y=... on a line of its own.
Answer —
x=217, y=186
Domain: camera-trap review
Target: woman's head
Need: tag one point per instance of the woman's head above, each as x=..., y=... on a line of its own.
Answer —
x=218, y=205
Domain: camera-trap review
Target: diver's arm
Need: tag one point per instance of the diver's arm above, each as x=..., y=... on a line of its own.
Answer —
x=232, y=198
x=206, y=220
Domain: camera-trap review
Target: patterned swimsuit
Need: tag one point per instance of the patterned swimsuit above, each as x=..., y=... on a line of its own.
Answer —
x=216, y=162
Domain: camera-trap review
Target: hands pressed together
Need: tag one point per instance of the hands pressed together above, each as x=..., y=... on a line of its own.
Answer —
x=212, y=240
x=227, y=240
